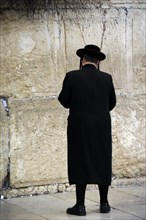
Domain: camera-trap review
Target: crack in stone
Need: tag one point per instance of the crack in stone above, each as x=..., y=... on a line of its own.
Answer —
x=104, y=28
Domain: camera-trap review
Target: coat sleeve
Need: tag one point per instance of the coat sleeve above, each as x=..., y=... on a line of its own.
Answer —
x=112, y=96
x=65, y=94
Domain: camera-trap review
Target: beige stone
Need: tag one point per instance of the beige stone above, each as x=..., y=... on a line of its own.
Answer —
x=129, y=136
x=38, y=142
x=54, y=188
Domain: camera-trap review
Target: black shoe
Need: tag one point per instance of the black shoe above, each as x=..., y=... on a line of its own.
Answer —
x=105, y=208
x=77, y=210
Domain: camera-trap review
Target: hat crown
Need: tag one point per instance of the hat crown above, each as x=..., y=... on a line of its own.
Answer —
x=92, y=47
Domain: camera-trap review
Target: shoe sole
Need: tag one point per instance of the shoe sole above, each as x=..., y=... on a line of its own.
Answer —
x=83, y=214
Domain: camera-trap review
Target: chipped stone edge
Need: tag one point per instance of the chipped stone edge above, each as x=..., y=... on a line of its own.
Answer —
x=65, y=187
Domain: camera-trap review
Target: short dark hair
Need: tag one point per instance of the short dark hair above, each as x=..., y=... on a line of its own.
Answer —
x=90, y=59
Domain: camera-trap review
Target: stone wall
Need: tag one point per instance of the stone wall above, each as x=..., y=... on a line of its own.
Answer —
x=35, y=55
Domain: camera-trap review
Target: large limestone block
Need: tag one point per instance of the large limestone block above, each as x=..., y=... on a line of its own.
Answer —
x=32, y=55
x=38, y=142
x=129, y=136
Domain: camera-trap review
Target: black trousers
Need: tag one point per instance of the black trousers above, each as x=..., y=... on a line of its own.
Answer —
x=80, y=193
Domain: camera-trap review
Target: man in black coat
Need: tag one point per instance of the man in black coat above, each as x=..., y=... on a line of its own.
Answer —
x=90, y=96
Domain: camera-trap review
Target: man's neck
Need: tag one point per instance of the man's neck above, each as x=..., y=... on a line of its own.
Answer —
x=87, y=62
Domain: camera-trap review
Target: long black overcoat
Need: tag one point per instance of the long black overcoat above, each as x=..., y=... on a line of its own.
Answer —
x=90, y=96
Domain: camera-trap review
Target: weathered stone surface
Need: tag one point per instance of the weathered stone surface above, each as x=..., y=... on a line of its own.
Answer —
x=36, y=54
x=38, y=142
x=129, y=136
x=54, y=188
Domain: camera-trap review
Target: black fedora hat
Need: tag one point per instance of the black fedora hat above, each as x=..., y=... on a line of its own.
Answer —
x=92, y=51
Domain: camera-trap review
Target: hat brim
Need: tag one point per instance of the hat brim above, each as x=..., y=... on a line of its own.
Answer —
x=92, y=53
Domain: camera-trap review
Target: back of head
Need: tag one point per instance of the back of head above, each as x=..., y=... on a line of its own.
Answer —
x=90, y=59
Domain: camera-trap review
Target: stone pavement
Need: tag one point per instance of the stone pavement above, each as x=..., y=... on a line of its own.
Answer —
x=127, y=203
